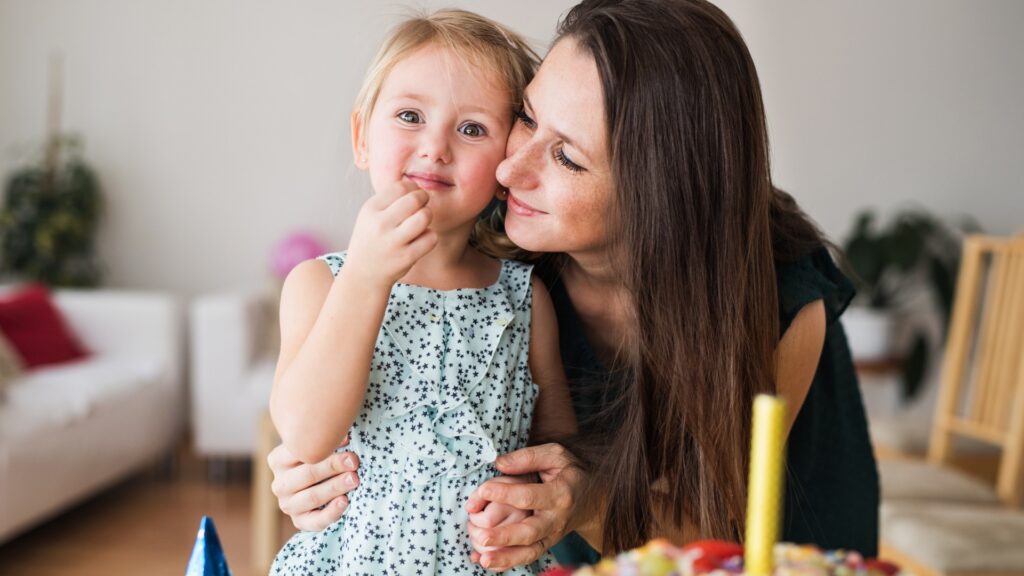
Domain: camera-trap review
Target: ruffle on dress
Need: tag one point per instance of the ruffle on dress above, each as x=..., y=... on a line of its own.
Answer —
x=448, y=357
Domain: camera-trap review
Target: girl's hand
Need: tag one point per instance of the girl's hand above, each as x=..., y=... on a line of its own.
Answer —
x=497, y=514
x=391, y=233
x=313, y=495
x=551, y=503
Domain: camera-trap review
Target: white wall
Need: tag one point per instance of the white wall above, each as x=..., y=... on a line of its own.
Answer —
x=887, y=104
x=218, y=126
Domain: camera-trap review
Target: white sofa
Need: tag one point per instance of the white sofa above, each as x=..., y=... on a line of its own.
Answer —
x=232, y=369
x=70, y=430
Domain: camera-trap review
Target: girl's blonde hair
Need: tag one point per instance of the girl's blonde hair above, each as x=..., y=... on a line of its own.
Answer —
x=481, y=43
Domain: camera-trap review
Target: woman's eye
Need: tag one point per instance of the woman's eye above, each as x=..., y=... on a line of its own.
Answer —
x=473, y=130
x=526, y=120
x=409, y=117
x=567, y=162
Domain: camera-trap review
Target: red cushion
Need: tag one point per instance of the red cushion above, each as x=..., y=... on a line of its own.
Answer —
x=36, y=328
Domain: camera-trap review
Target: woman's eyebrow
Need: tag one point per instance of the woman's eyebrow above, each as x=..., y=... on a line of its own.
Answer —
x=561, y=136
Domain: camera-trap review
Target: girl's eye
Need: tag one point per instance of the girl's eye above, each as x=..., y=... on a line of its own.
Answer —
x=409, y=117
x=567, y=162
x=473, y=130
x=526, y=120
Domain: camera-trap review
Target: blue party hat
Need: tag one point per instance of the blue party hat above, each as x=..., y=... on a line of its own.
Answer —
x=207, y=555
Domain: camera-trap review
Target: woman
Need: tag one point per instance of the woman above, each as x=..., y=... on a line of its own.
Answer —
x=684, y=283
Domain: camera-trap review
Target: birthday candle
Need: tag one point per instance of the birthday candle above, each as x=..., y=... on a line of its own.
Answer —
x=764, y=489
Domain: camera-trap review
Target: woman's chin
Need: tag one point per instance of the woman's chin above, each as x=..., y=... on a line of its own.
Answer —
x=525, y=236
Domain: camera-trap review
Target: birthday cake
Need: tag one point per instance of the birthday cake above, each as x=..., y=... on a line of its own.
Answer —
x=716, y=558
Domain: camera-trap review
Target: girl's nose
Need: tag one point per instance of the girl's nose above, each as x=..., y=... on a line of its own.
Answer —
x=434, y=147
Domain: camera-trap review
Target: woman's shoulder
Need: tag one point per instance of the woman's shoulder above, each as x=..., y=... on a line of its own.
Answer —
x=809, y=278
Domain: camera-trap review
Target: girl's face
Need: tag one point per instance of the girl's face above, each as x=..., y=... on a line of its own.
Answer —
x=557, y=168
x=440, y=125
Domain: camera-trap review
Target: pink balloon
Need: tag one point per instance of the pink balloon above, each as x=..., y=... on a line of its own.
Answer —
x=293, y=249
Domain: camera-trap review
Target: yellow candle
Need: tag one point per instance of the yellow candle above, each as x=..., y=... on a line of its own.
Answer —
x=764, y=489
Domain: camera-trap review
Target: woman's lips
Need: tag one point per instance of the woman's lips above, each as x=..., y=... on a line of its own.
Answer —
x=521, y=208
x=428, y=181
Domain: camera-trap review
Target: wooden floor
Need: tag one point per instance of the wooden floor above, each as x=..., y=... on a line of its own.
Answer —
x=146, y=525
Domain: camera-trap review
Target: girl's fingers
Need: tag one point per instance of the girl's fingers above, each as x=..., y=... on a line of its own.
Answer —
x=475, y=504
x=531, y=530
x=425, y=243
x=413, y=226
x=387, y=195
x=402, y=208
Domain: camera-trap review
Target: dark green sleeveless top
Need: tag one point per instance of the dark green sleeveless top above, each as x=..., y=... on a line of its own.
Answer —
x=832, y=492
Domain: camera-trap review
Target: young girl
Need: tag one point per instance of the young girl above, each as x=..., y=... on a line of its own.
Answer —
x=430, y=355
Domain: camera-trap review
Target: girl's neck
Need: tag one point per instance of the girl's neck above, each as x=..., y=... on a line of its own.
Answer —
x=452, y=264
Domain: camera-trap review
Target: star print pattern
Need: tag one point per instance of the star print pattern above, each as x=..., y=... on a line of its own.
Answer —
x=449, y=389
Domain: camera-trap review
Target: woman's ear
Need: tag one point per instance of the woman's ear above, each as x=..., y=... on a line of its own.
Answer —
x=358, y=141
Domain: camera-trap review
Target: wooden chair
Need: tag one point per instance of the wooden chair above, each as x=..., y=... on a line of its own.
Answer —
x=982, y=391
x=936, y=520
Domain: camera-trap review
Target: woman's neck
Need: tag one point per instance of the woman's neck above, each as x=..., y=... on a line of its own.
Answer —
x=601, y=302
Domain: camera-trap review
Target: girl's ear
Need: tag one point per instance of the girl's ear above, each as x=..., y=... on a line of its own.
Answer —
x=358, y=141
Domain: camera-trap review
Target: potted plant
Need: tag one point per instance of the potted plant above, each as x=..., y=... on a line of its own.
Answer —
x=49, y=219
x=891, y=265
x=51, y=209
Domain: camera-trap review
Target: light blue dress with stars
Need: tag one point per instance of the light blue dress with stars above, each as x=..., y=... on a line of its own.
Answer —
x=449, y=389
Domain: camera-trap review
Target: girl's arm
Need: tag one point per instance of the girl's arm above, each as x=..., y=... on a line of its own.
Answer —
x=554, y=417
x=329, y=326
x=328, y=329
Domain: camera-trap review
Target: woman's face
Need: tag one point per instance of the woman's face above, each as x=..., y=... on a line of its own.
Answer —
x=557, y=168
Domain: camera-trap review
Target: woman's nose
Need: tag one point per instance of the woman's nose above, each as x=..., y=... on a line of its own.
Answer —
x=519, y=169
x=434, y=147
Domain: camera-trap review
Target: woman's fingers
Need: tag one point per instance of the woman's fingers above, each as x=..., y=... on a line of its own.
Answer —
x=505, y=558
x=317, y=520
x=544, y=458
x=292, y=477
x=315, y=497
x=522, y=496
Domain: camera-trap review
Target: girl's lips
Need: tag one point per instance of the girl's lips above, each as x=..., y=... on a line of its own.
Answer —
x=429, y=181
x=521, y=208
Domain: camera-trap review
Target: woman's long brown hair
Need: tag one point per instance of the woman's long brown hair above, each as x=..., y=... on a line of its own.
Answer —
x=698, y=227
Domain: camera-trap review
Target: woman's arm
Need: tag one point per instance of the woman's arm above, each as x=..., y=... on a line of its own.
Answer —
x=798, y=356
x=553, y=501
x=553, y=417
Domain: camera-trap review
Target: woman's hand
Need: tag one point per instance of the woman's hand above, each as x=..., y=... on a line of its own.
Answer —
x=313, y=495
x=551, y=504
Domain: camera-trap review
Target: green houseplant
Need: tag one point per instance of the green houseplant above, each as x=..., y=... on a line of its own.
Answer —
x=892, y=264
x=48, y=222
